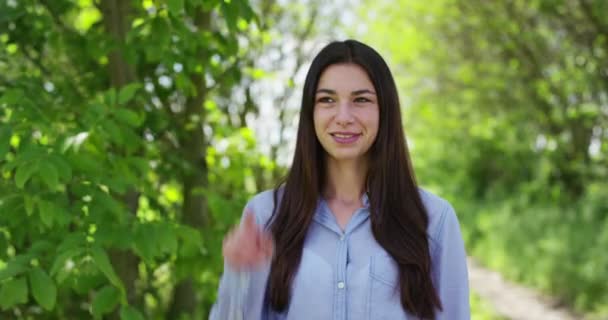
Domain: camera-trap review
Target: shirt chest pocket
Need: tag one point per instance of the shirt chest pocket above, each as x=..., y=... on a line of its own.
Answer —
x=384, y=300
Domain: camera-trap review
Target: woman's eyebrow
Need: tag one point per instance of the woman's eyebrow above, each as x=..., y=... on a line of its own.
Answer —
x=329, y=91
x=362, y=91
x=354, y=93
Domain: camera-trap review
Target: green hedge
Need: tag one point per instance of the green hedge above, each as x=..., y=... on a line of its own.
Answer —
x=560, y=249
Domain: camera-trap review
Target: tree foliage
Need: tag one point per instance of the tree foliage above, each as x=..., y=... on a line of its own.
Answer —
x=108, y=123
x=506, y=107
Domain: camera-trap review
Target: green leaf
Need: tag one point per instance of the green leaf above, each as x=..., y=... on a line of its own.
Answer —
x=109, y=203
x=113, y=130
x=110, y=97
x=175, y=6
x=103, y=263
x=247, y=11
x=190, y=241
x=63, y=257
x=130, y=313
x=10, y=166
x=144, y=242
x=87, y=163
x=5, y=140
x=47, y=212
x=13, y=292
x=10, y=14
x=12, y=268
x=140, y=164
x=43, y=288
x=118, y=236
x=188, y=234
x=162, y=37
x=49, y=174
x=105, y=301
x=10, y=202
x=128, y=117
x=131, y=138
x=128, y=92
x=40, y=246
x=167, y=239
x=24, y=173
x=30, y=203
x=63, y=168
x=230, y=16
x=208, y=5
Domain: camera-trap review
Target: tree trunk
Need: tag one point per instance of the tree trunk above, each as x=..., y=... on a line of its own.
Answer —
x=117, y=24
x=193, y=147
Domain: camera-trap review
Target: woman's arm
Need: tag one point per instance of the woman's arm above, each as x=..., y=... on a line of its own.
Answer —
x=246, y=265
x=232, y=292
x=450, y=273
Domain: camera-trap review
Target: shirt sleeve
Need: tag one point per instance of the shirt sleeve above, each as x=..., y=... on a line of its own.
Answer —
x=450, y=273
x=231, y=295
x=241, y=293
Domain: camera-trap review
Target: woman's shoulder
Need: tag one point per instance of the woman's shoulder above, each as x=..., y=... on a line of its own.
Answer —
x=262, y=204
x=439, y=211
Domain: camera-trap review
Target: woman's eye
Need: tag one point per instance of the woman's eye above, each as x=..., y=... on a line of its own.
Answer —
x=325, y=100
x=362, y=99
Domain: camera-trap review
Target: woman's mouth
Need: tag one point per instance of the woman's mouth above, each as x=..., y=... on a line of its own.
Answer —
x=345, y=137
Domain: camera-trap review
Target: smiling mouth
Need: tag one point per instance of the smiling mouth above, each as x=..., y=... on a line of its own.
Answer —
x=345, y=138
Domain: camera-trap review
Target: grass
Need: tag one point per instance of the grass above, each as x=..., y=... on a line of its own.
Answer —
x=481, y=309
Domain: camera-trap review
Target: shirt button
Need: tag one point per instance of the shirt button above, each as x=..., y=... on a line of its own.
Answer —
x=340, y=285
x=342, y=238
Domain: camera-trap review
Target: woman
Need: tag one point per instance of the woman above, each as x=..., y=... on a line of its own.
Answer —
x=353, y=237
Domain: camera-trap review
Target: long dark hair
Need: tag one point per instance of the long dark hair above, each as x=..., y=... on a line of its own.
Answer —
x=398, y=217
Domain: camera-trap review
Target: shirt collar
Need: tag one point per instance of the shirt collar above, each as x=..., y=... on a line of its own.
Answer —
x=365, y=200
x=324, y=216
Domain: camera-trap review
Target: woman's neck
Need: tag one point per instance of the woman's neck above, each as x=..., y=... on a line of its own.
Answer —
x=345, y=181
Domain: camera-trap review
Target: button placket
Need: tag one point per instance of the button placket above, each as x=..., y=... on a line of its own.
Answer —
x=342, y=254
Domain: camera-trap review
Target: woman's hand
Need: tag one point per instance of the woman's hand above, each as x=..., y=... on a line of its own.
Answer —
x=247, y=246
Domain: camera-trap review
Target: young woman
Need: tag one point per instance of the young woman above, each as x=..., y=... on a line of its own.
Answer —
x=348, y=234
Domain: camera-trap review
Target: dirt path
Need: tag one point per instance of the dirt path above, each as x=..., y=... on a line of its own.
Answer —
x=513, y=301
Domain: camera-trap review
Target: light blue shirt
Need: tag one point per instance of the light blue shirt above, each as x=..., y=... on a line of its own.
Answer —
x=347, y=274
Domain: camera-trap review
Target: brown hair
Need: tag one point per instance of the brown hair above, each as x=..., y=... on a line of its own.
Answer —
x=398, y=217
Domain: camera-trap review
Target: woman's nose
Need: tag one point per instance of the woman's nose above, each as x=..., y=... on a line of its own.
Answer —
x=344, y=115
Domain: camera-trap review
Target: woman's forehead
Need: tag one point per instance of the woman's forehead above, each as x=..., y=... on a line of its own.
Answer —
x=345, y=78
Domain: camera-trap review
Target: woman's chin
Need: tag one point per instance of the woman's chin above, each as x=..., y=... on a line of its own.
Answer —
x=346, y=156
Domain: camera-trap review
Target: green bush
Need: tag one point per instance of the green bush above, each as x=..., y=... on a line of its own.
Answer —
x=559, y=249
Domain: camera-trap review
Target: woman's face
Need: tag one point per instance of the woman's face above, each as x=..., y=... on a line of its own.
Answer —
x=346, y=112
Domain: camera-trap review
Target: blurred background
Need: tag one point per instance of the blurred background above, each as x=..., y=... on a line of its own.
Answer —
x=132, y=134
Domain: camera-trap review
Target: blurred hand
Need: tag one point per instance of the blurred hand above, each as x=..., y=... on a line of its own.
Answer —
x=247, y=246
